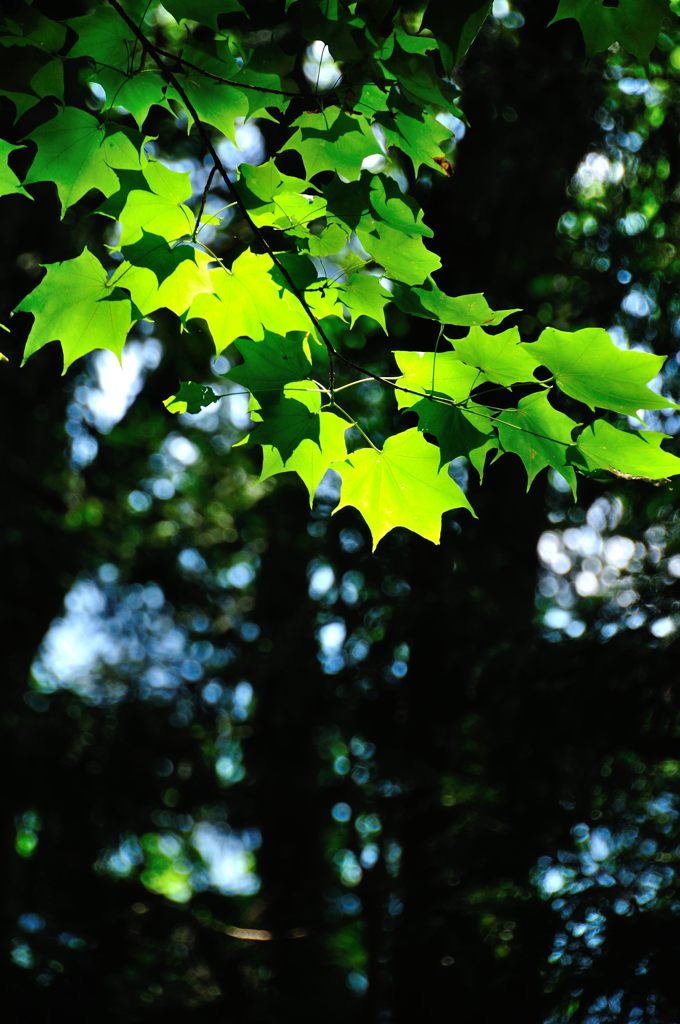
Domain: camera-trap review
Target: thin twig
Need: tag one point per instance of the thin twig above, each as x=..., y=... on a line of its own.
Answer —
x=225, y=81
x=204, y=197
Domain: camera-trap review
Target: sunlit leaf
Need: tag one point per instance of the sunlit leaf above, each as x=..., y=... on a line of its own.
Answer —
x=540, y=435
x=501, y=357
x=602, y=446
x=439, y=373
x=589, y=367
x=158, y=210
x=9, y=183
x=402, y=485
x=73, y=305
x=333, y=141
x=311, y=459
x=75, y=153
x=461, y=310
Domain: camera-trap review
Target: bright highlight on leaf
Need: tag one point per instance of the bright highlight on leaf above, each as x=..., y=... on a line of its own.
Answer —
x=73, y=305
x=402, y=485
x=333, y=141
x=429, y=373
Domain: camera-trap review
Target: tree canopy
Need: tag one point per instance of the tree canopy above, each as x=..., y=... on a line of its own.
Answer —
x=361, y=98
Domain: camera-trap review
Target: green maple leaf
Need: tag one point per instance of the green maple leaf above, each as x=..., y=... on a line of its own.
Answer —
x=153, y=253
x=75, y=153
x=9, y=183
x=311, y=459
x=168, y=277
x=364, y=295
x=371, y=100
x=117, y=65
x=216, y=103
x=242, y=301
x=333, y=141
x=310, y=455
x=402, y=485
x=34, y=29
x=396, y=209
x=49, y=80
x=22, y=102
x=347, y=201
x=501, y=357
x=459, y=311
x=440, y=373
x=323, y=241
x=467, y=431
x=73, y=305
x=279, y=200
x=635, y=24
x=268, y=365
x=589, y=367
x=266, y=70
x=191, y=398
x=136, y=94
x=417, y=133
x=103, y=36
x=455, y=27
x=418, y=80
x=404, y=257
x=286, y=424
x=158, y=210
x=540, y=435
x=603, y=447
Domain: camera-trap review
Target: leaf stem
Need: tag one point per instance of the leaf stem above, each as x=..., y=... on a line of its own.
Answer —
x=334, y=405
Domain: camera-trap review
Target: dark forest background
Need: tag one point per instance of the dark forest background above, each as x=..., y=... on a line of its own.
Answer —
x=253, y=774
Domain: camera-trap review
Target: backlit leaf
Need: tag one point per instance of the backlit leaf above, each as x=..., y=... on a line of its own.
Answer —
x=461, y=310
x=158, y=210
x=402, y=485
x=501, y=357
x=73, y=305
x=589, y=367
x=75, y=153
x=440, y=373
x=468, y=431
x=540, y=435
x=311, y=459
x=333, y=141
x=602, y=446
x=287, y=424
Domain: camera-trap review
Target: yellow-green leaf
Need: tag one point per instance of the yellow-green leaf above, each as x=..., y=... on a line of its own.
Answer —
x=402, y=485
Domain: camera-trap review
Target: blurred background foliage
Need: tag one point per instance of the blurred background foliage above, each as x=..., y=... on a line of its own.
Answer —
x=252, y=773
